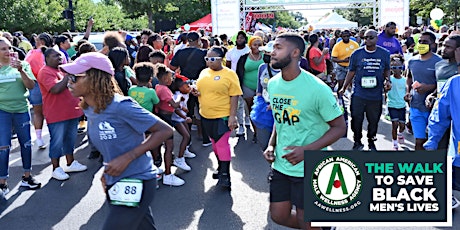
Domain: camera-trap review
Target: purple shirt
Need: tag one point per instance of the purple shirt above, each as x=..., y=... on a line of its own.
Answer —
x=389, y=43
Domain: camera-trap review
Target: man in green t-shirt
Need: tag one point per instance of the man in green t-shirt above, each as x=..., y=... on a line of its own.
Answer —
x=307, y=117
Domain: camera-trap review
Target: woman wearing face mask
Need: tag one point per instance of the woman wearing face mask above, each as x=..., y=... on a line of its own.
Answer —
x=261, y=114
x=218, y=90
x=247, y=69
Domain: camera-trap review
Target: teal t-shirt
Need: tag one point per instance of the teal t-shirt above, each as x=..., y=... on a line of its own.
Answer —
x=251, y=70
x=301, y=109
x=146, y=97
x=395, y=97
x=13, y=93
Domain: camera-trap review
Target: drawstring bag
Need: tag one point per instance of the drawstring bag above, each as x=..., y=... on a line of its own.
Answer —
x=262, y=117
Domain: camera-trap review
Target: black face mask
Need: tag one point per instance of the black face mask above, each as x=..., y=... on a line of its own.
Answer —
x=267, y=58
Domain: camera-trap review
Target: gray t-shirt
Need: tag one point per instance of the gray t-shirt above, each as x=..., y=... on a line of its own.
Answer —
x=118, y=129
x=445, y=70
x=422, y=71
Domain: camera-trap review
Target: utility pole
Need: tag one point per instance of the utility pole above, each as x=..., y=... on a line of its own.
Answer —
x=72, y=18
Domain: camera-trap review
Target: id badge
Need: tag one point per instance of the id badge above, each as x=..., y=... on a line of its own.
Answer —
x=265, y=95
x=368, y=82
x=440, y=84
x=126, y=192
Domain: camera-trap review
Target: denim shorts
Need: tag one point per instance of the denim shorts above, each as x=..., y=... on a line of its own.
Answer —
x=35, y=96
x=340, y=72
x=419, y=121
x=247, y=92
x=397, y=114
x=62, y=137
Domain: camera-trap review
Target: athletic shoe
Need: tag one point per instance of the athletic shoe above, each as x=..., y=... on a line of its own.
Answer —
x=157, y=161
x=4, y=189
x=30, y=182
x=254, y=139
x=455, y=202
x=94, y=154
x=215, y=175
x=76, y=167
x=180, y=163
x=401, y=139
x=189, y=154
x=59, y=174
x=395, y=146
x=387, y=117
x=372, y=146
x=159, y=177
x=206, y=144
x=40, y=143
x=172, y=180
x=224, y=180
x=358, y=146
x=194, y=128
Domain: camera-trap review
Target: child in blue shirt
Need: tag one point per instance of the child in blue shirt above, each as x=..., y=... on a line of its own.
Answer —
x=395, y=100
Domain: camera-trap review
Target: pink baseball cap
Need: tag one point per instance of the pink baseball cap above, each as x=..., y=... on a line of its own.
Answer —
x=88, y=61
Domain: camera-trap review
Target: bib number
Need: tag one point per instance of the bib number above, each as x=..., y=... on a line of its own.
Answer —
x=368, y=82
x=265, y=95
x=440, y=84
x=127, y=192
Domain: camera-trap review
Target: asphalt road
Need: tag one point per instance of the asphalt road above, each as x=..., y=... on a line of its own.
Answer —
x=79, y=203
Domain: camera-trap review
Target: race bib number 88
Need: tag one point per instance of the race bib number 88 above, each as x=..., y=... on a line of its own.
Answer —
x=127, y=192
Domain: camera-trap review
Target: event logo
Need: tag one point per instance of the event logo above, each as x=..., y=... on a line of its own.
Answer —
x=336, y=182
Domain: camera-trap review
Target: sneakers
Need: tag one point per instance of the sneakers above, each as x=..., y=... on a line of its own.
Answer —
x=189, y=154
x=76, y=167
x=172, y=180
x=40, y=143
x=206, y=144
x=59, y=174
x=240, y=131
x=30, y=182
x=180, y=163
x=401, y=139
x=224, y=180
x=4, y=189
x=455, y=202
x=387, y=117
x=358, y=146
x=194, y=128
x=372, y=146
x=158, y=160
x=395, y=146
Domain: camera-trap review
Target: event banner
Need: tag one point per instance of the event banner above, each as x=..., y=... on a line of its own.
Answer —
x=298, y=2
x=360, y=188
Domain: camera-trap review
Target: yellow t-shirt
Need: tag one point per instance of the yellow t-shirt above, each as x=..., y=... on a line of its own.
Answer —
x=343, y=50
x=216, y=88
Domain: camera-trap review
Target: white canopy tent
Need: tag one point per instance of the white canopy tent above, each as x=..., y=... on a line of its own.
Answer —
x=334, y=21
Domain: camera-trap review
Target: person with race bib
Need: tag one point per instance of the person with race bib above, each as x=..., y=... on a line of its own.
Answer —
x=129, y=178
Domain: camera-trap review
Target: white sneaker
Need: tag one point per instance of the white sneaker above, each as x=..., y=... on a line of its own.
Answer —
x=172, y=180
x=189, y=154
x=180, y=163
x=40, y=143
x=401, y=139
x=59, y=174
x=76, y=167
x=455, y=202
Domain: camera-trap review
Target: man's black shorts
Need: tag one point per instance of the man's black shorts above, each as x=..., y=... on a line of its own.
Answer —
x=287, y=188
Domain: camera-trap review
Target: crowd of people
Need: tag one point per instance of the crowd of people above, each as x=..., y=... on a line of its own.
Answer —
x=137, y=90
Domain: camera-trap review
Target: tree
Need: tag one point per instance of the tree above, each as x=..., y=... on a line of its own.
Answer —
x=363, y=16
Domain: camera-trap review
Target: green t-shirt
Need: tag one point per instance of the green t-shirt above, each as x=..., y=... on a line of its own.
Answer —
x=251, y=69
x=301, y=109
x=146, y=97
x=71, y=51
x=13, y=93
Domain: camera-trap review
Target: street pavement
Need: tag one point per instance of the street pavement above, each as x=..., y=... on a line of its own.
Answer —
x=79, y=203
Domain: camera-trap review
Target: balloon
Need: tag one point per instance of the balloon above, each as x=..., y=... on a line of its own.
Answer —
x=187, y=27
x=434, y=25
x=438, y=22
x=436, y=14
